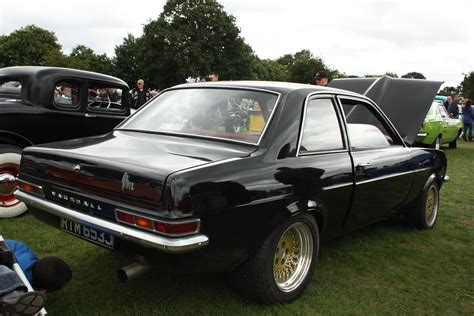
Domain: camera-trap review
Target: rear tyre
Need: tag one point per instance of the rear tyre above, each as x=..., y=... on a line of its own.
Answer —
x=425, y=211
x=9, y=169
x=454, y=143
x=282, y=267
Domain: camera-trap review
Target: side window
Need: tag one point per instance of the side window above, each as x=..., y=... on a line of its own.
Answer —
x=364, y=127
x=442, y=111
x=105, y=98
x=10, y=86
x=67, y=94
x=321, y=131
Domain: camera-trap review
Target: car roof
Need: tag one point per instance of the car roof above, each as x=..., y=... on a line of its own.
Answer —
x=41, y=72
x=275, y=86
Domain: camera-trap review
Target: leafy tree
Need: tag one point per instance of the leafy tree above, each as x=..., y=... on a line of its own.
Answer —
x=414, y=75
x=388, y=73
x=391, y=74
x=83, y=57
x=467, y=85
x=29, y=45
x=190, y=39
x=449, y=91
x=302, y=66
x=126, y=60
x=266, y=69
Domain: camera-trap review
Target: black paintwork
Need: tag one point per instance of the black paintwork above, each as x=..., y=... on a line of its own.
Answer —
x=240, y=192
x=32, y=118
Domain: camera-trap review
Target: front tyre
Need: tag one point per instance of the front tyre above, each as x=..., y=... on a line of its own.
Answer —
x=425, y=212
x=282, y=267
x=9, y=168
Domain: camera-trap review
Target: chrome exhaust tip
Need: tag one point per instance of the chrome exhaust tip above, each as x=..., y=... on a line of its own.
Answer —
x=132, y=271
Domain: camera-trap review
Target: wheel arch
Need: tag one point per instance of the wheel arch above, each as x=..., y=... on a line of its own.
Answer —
x=14, y=139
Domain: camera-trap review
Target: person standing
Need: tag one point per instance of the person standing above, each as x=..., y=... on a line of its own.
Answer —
x=139, y=95
x=468, y=118
x=448, y=101
x=453, y=108
x=321, y=78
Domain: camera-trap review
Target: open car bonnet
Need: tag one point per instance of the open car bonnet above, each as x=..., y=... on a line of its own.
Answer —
x=405, y=101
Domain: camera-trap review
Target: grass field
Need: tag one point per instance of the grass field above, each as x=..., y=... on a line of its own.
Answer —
x=384, y=269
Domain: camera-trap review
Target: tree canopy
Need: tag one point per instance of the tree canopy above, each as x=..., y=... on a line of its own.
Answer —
x=302, y=66
x=29, y=45
x=467, y=85
x=191, y=38
x=414, y=75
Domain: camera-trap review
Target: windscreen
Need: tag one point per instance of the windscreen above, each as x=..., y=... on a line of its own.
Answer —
x=232, y=114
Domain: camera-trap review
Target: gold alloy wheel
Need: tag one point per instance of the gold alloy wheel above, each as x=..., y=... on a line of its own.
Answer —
x=431, y=205
x=293, y=255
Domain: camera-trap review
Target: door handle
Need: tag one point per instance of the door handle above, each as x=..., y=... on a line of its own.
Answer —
x=87, y=115
x=364, y=164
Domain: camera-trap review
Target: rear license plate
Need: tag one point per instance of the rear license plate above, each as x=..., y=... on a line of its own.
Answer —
x=88, y=233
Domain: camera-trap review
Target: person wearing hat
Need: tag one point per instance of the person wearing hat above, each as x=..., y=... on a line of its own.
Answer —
x=321, y=78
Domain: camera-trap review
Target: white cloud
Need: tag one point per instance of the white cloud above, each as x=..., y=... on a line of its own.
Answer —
x=357, y=37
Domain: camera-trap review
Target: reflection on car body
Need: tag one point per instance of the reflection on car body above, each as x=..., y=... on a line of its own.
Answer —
x=178, y=186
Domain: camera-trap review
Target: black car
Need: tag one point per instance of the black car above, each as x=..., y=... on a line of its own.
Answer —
x=172, y=184
x=46, y=104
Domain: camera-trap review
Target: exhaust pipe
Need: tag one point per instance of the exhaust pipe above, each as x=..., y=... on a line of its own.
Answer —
x=132, y=271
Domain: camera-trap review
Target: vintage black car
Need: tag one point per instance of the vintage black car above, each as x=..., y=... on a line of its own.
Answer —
x=46, y=104
x=307, y=163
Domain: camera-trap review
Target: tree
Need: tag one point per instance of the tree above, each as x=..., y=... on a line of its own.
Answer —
x=467, y=86
x=126, y=60
x=302, y=66
x=192, y=38
x=449, y=91
x=83, y=57
x=28, y=45
x=414, y=75
x=388, y=74
x=266, y=69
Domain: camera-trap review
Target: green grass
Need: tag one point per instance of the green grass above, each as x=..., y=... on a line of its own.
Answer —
x=384, y=269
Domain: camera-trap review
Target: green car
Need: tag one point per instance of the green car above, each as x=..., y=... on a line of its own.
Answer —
x=439, y=128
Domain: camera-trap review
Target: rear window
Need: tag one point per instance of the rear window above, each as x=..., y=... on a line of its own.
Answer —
x=232, y=114
x=10, y=86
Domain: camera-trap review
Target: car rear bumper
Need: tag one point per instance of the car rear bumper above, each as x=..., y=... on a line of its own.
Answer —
x=166, y=244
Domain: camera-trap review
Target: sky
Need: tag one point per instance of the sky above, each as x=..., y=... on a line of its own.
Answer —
x=357, y=37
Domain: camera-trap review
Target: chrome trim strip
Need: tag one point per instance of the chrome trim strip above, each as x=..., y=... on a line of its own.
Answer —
x=337, y=186
x=166, y=244
x=177, y=222
x=422, y=134
x=392, y=175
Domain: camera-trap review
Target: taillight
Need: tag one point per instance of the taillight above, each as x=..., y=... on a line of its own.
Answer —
x=169, y=228
x=144, y=222
x=30, y=187
x=177, y=229
x=124, y=217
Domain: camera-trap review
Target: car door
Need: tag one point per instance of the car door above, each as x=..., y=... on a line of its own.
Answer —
x=106, y=106
x=450, y=125
x=382, y=163
x=323, y=167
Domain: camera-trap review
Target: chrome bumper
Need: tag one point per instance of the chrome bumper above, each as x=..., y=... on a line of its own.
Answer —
x=166, y=244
